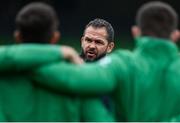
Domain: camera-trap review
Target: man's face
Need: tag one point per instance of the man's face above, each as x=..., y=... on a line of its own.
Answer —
x=94, y=43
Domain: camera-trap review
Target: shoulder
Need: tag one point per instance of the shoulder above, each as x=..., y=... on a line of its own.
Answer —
x=120, y=61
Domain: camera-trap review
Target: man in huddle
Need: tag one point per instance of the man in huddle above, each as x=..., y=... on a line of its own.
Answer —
x=22, y=99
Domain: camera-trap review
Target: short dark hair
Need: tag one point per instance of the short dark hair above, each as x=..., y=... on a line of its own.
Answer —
x=36, y=22
x=99, y=23
x=157, y=19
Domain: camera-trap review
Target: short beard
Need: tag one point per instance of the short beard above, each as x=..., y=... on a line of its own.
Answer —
x=82, y=55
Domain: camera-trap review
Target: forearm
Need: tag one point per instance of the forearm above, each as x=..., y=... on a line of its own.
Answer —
x=28, y=56
x=82, y=80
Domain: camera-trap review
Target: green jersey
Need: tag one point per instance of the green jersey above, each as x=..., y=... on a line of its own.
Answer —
x=144, y=83
x=22, y=99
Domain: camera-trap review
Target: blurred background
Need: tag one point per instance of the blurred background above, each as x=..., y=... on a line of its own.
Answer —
x=75, y=14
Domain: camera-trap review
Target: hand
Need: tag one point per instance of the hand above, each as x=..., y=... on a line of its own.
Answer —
x=71, y=55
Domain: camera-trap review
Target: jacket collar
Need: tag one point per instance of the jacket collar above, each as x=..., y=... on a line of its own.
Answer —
x=159, y=48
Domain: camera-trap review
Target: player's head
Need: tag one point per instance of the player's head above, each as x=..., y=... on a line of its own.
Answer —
x=157, y=19
x=97, y=39
x=37, y=23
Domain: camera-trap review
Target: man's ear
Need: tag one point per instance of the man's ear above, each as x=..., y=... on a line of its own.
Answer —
x=136, y=32
x=17, y=36
x=175, y=35
x=55, y=37
x=110, y=47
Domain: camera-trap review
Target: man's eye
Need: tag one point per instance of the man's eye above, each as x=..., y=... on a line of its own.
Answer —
x=99, y=42
x=88, y=40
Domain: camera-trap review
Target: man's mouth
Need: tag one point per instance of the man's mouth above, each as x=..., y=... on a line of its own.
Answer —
x=91, y=55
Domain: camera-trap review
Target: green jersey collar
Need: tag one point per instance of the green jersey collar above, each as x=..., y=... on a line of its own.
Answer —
x=156, y=47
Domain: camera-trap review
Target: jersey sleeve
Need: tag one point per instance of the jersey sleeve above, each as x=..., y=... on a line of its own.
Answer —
x=88, y=79
x=22, y=57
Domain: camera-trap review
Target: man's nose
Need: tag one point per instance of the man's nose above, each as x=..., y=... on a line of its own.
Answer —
x=92, y=45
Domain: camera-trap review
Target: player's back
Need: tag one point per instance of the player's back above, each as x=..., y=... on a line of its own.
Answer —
x=23, y=100
x=149, y=91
